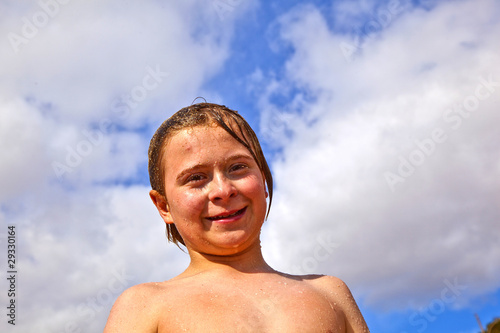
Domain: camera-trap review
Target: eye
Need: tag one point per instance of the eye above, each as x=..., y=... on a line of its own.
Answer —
x=194, y=178
x=237, y=167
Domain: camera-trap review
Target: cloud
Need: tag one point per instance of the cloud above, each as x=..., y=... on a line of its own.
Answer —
x=85, y=71
x=95, y=52
x=81, y=96
x=418, y=101
x=91, y=251
x=23, y=132
x=82, y=86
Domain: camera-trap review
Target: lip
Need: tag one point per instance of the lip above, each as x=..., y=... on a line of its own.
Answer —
x=228, y=217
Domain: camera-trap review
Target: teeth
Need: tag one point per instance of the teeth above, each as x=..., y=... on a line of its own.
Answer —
x=234, y=214
x=224, y=216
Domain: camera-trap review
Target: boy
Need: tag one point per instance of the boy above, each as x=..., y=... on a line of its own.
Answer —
x=210, y=183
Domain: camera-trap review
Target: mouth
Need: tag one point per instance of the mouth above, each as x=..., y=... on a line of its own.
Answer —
x=227, y=217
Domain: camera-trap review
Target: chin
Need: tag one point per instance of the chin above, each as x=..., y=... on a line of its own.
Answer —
x=235, y=243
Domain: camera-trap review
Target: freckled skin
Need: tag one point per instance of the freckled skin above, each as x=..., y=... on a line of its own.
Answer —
x=228, y=287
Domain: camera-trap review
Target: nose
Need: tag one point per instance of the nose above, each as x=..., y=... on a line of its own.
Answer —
x=221, y=188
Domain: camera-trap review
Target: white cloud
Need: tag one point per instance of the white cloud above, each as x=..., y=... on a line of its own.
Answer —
x=62, y=101
x=65, y=86
x=349, y=14
x=362, y=115
x=80, y=253
x=346, y=128
x=89, y=53
x=72, y=71
x=23, y=134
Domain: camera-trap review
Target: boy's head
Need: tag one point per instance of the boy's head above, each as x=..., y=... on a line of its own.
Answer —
x=202, y=114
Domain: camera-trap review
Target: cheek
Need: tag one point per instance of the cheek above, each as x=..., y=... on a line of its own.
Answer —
x=187, y=204
x=254, y=187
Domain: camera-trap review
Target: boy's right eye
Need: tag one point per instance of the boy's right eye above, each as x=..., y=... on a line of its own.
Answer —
x=194, y=178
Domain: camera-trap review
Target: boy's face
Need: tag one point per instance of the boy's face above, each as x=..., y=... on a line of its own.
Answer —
x=215, y=191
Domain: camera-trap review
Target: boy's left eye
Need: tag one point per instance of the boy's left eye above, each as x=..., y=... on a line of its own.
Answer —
x=237, y=167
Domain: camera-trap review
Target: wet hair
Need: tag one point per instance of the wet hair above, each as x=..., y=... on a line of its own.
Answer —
x=202, y=114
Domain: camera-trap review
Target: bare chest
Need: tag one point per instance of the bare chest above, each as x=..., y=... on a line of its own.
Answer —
x=251, y=309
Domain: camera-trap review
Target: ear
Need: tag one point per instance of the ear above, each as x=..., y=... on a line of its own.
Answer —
x=162, y=205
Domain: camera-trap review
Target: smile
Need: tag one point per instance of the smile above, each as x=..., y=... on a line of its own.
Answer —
x=227, y=216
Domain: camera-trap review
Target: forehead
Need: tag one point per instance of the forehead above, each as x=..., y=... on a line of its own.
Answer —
x=200, y=142
x=207, y=137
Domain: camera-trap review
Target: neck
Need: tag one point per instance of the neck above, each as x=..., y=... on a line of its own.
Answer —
x=249, y=260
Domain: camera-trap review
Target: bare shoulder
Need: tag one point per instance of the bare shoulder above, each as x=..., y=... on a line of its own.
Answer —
x=136, y=309
x=330, y=284
x=338, y=292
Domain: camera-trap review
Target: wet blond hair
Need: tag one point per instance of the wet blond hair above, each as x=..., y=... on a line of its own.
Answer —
x=202, y=114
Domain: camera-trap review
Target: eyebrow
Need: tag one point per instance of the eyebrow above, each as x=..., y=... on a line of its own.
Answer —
x=202, y=165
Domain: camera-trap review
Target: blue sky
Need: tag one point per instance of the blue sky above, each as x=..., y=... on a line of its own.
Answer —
x=379, y=120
